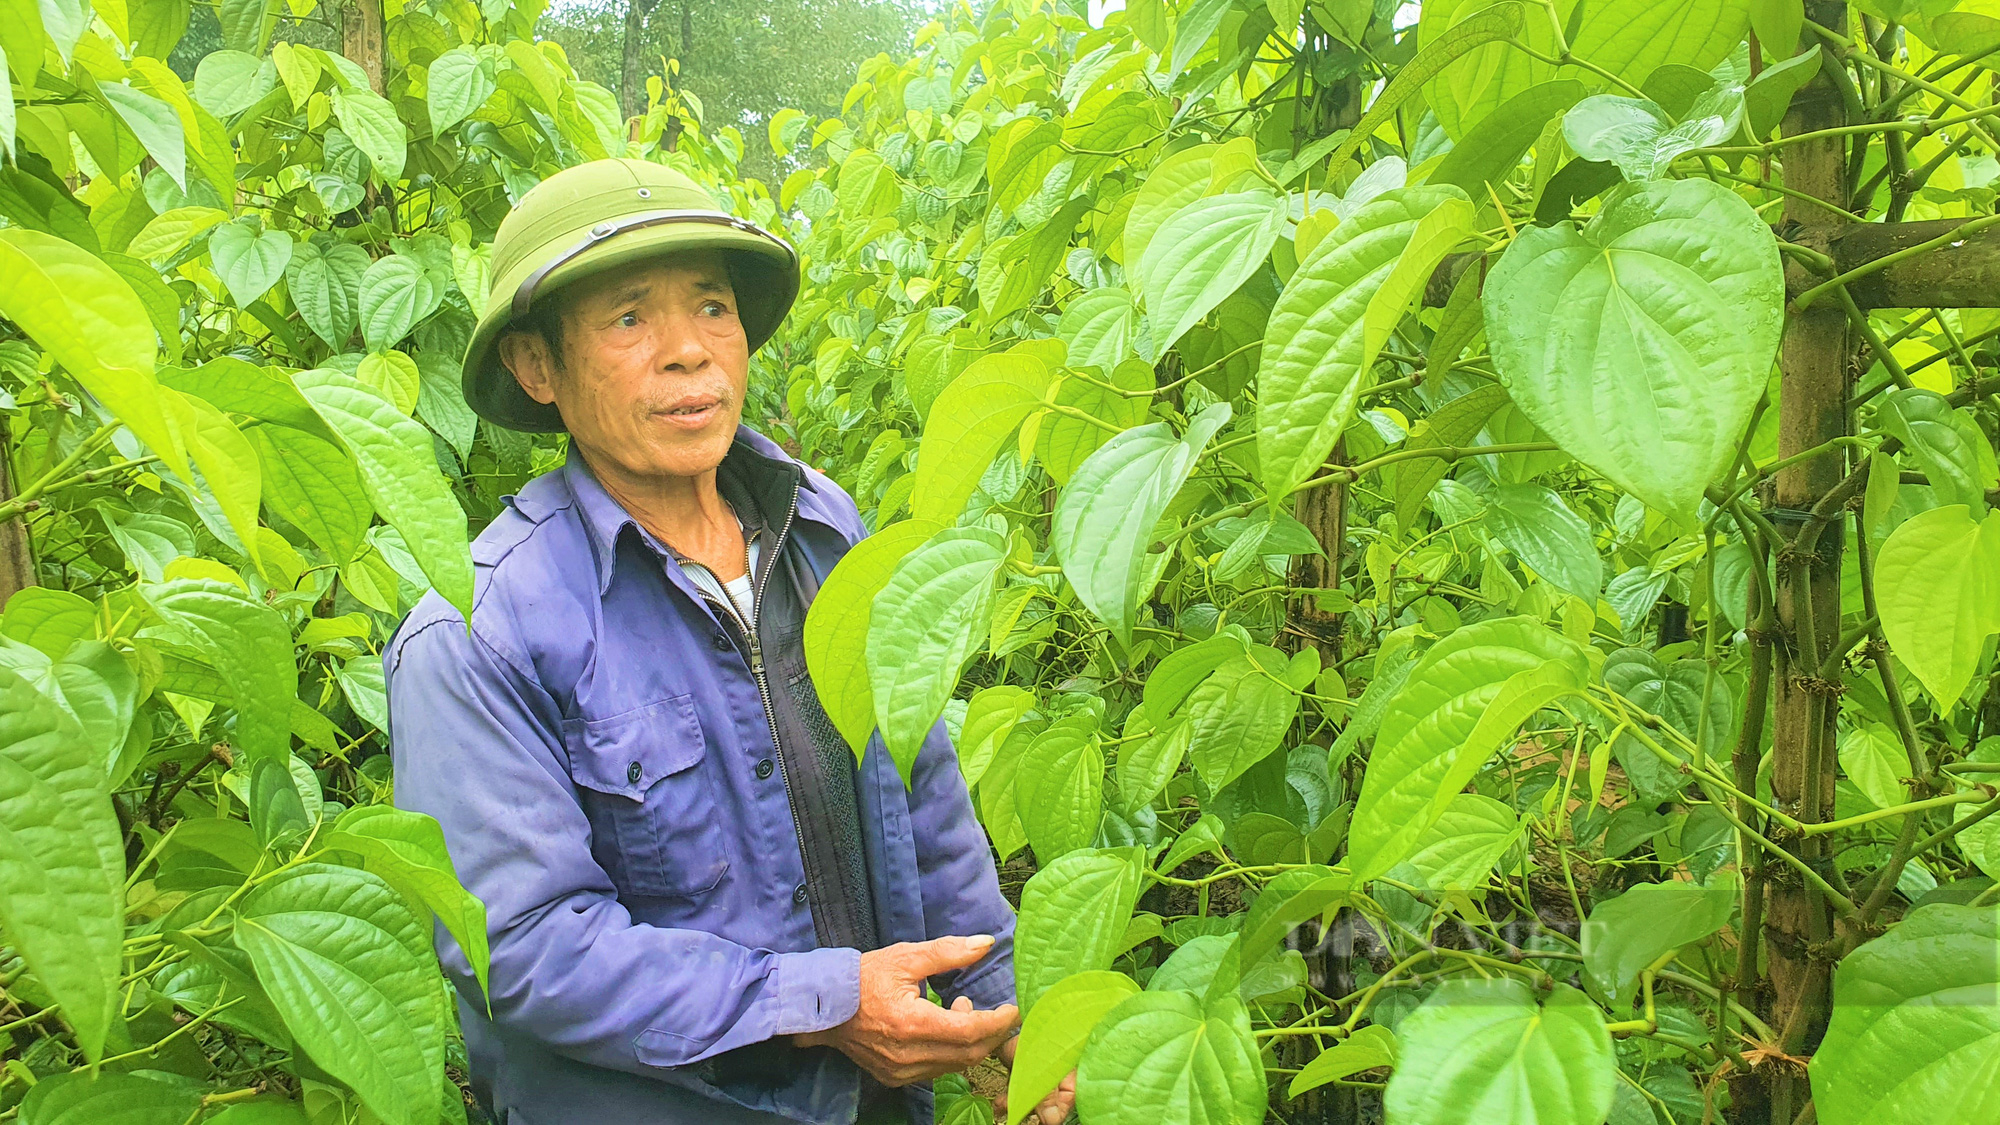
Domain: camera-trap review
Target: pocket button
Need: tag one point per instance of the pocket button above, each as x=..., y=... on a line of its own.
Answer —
x=632, y=772
x=764, y=769
x=799, y=895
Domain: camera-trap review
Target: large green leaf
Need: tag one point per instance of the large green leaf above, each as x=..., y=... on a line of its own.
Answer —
x=240, y=387
x=91, y=683
x=1915, y=1032
x=247, y=261
x=1484, y=1051
x=350, y=969
x=88, y=318
x=1061, y=787
x=1664, y=313
x=1291, y=898
x=1633, y=38
x=396, y=293
x=156, y=125
x=1954, y=454
x=314, y=484
x=1540, y=529
x=1073, y=914
x=1625, y=935
x=1064, y=442
x=837, y=623
x=407, y=850
x=968, y=425
x=1478, y=81
x=1675, y=692
x=111, y=1098
x=926, y=621
x=399, y=475
x=48, y=619
x=1173, y=183
x=1494, y=147
x=1464, y=699
x=1105, y=516
x=325, y=283
x=1239, y=715
x=1098, y=327
x=1052, y=1039
x=1937, y=583
x=990, y=716
x=1333, y=317
x=1160, y=1058
x=370, y=121
x=459, y=83
x=1638, y=136
x=61, y=865
x=1470, y=836
x=1201, y=254
x=228, y=463
x=247, y=643
x=1372, y=1046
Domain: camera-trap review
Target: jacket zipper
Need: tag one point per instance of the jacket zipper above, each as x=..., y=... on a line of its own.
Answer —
x=757, y=663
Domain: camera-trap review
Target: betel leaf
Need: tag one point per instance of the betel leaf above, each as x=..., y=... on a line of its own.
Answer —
x=968, y=425
x=1873, y=758
x=156, y=125
x=1495, y=146
x=1105, y=516
x=407, y=850
x=990, y=716
x=87, y=317
x=1915, y=1028
x=1471, y=835
x=459, y=83
x=1453, y=424
x=240, y=387
x=248, y=261
x=1627, y=934
x=1489, y=74
x=1769, y=94
x=1949, y=446
x=396, y=293
x=837, y=624
x=315, y=486
x=1063, y=441
x=1371, y=1047
x=1052, y=1040
x=399, y=475
x=82, y=1097
x=1485, y=27
x=249, y=646
x=1937, y=584
x=1144, y=768
x=1291, y=898
x=1675, y=692
x=1098, y=327
x=228, y=463
x=61, y=865
x=1542, y=532
x=1161, y=1057
x=1173, y=183
x=1633, y=38
x=1663, y=312
x=1060, y=787
x=350, y=969
x=1333, y=317
x=1463, y=700
x=1201, y=254
x=91, y=683
x=324, y=281
x=370, y=121
x=926, y=621
x=1073, y=913
x=1638, y=136
x=48, y=619
x=1483, y=1051
x=1239, y=714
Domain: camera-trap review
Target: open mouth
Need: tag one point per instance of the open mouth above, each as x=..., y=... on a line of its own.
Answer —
x=693, y=412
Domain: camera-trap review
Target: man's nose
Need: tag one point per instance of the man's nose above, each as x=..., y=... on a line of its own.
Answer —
x=682, y=346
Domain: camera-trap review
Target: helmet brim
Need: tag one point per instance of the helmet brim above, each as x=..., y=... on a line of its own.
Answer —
x=763, y=271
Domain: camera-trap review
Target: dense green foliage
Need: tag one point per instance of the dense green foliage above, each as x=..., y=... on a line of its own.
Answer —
x=1322, y=471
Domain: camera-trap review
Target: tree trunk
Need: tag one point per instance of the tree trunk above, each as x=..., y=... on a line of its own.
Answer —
x=17, y=556
x=1812, y=409
x=631, y=68
x=361, y=38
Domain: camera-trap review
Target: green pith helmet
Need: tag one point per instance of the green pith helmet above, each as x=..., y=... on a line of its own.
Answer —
x=598, y=216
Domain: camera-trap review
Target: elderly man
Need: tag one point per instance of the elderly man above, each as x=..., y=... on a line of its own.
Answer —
x=700, y=908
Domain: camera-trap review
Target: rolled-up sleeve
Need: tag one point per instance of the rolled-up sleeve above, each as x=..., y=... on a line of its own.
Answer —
x=476, y=744
x=961, y=888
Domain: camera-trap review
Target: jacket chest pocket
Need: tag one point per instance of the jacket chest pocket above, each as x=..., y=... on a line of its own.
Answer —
x=654, y=823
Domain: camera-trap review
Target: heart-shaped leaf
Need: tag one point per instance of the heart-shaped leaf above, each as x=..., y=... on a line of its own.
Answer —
x=1664, y=312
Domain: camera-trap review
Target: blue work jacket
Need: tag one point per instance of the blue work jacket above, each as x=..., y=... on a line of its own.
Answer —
x=592, y=748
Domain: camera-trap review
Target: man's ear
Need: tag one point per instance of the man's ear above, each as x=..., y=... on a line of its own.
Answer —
x=526, y=355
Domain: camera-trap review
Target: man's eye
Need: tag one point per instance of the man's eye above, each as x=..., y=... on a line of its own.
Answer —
x=629, y=320
x=715, y=308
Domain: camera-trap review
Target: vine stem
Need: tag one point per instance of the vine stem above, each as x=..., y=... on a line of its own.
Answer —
x=1804, y=300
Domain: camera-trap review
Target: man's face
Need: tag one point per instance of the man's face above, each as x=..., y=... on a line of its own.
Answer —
x=654, y=367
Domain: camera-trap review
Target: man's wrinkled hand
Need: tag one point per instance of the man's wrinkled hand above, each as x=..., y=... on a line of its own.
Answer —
x=1055, y=1106
x=899, y=1037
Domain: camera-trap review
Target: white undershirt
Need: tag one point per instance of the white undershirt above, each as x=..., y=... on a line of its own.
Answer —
x=743, y=598
x=737, y=592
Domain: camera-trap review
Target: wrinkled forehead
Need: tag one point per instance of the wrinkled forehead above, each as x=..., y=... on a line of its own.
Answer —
x=690, y=273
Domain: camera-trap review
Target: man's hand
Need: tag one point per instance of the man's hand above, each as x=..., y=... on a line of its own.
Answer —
x=899, y=1037
x=1054, y=1107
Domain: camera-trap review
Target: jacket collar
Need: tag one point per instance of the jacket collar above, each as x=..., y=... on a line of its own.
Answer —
x=754, y=462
